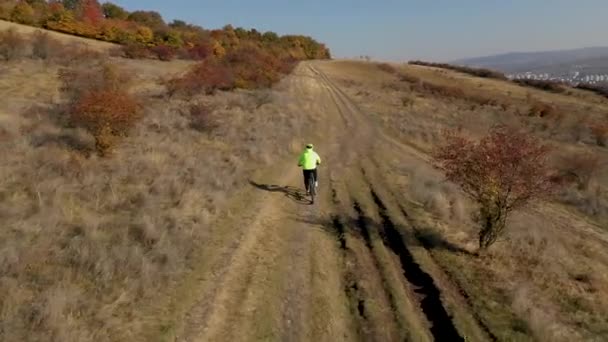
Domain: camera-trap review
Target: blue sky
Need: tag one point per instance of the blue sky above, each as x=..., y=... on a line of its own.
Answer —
x=440, y=30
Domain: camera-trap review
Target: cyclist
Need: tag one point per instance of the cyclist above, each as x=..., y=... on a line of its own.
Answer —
x=309, y=160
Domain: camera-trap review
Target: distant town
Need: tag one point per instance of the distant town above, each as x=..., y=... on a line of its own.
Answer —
x=573, y=78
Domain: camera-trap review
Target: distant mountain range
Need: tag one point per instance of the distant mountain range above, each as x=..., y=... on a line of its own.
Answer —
x=592, y=60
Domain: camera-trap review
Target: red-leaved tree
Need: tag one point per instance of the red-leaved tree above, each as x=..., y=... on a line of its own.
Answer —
x=501, y=172
x=91, y=12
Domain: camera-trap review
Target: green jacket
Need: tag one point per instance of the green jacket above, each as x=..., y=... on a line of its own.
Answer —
x=309, y=160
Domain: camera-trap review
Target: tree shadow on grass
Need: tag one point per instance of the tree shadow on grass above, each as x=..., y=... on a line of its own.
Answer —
x=430, y=239
x=290, y=192
x=425, y=238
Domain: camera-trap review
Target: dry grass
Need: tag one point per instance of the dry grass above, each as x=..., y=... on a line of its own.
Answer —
x=88, y=241
x=95, y=45
x=546, y=280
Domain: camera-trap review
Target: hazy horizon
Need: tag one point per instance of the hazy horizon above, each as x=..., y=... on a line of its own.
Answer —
x=400, y=30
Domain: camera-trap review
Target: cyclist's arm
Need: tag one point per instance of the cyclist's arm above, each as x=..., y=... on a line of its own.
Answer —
x=318, y=160
x=301, y=161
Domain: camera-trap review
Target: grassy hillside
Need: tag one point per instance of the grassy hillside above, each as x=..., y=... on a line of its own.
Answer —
x=98, y=224
x=545, y=280
x=62, y=37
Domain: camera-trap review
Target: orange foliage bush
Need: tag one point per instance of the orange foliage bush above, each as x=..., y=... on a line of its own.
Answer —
x=99, y=101
x=164, y=52
x=135, y=51
x=206, y=77
x=253, y=67
x=501, y=172
x=106, y=114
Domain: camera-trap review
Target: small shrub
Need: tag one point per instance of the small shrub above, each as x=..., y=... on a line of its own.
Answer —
x=408, y=78
x=286, y=65
x=107, y=114
x=45, y=47
x=135, y=51
x=253, y=67
x=206, y=77
x=387, y=68
x=12, y=45
x=502, y=172
x=164, y=52
x=578, y=168
x=99, y=101
x=542, y=109
x=199, y=51
x=599, y=130
x=23, y=13
x=552, y=86
x=76, y=54
x=117, y=52
x=407, y=101
x=77, y=81
x=395, y=86
x=201, y=117
x=261, y=97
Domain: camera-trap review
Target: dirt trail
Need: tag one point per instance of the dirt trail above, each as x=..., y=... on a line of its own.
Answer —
x=337, y=271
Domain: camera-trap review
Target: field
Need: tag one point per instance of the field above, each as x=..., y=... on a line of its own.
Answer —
x=196, y=228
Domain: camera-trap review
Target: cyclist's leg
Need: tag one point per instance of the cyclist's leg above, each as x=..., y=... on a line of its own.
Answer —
x=316, y=177
x=306, y=179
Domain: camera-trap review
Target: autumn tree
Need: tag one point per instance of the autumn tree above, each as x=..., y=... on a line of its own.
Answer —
x=502, y=172
x=71, y=5
x=151, y=19
x=90, y=12
x=113, y=11
x=23, y=13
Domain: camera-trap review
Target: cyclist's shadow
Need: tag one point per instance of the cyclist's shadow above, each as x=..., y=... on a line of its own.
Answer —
x=290, y=192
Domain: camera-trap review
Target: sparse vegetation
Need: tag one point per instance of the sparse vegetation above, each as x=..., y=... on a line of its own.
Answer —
x=200, y=116
x=541, y=109
x=247, y=68
x=502, y=172
x=551, y=86
x=387, y=68
x=598, y=89
x=164, y=52
x=599, y=129
x=579, y=168
x=486, y=73
x=12, y=45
